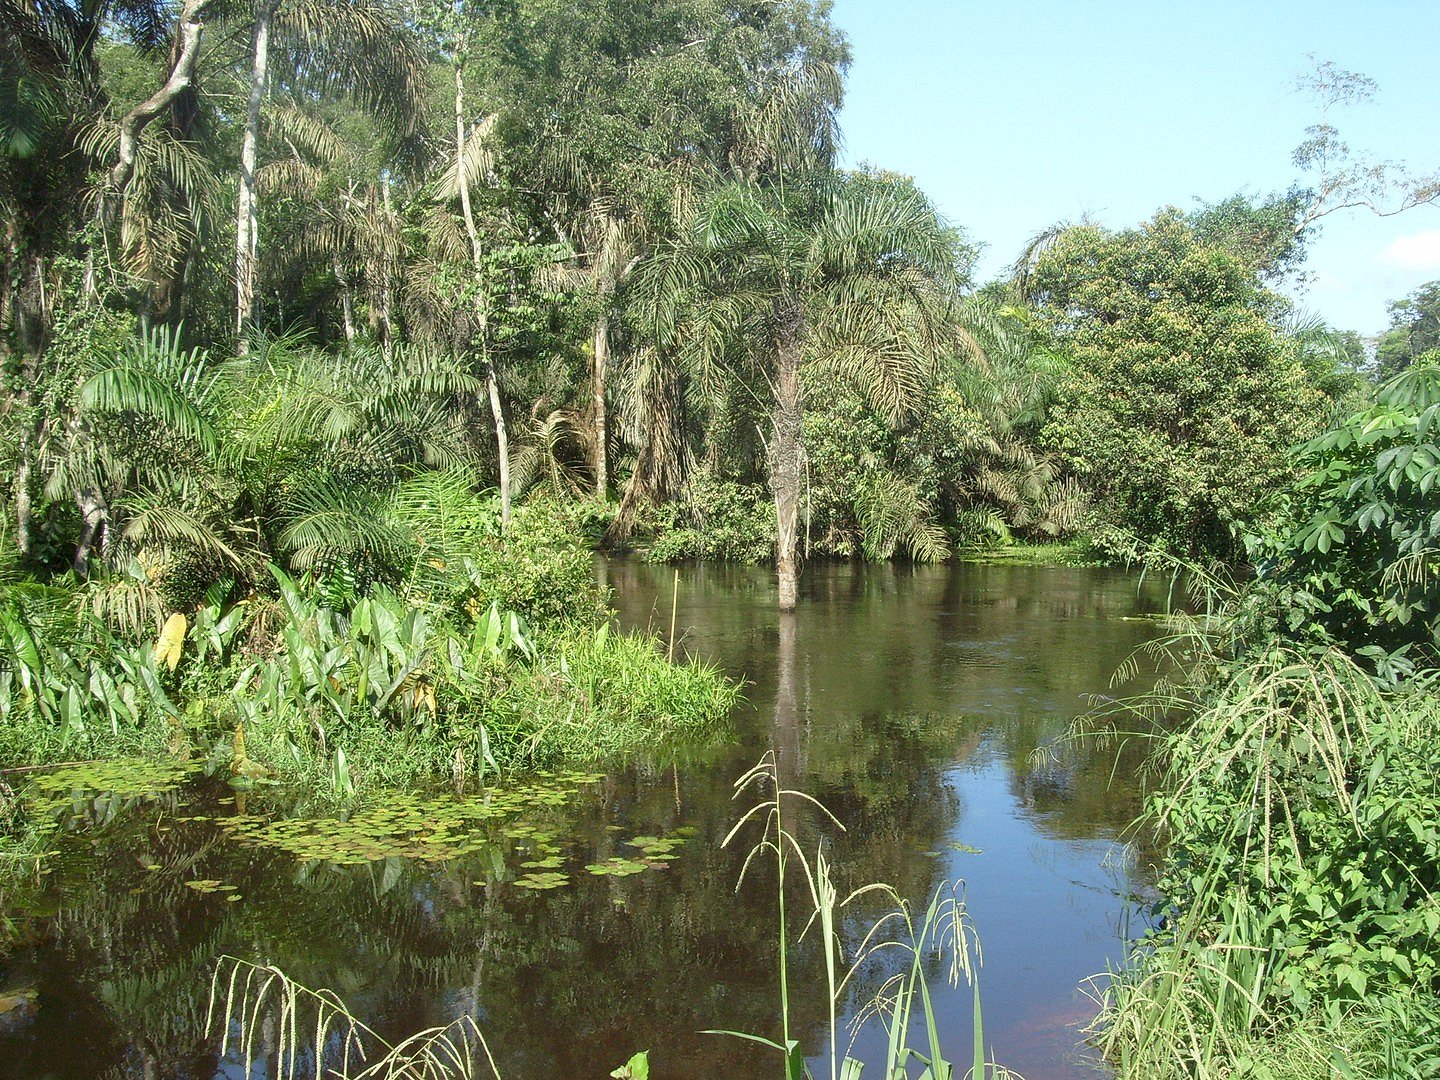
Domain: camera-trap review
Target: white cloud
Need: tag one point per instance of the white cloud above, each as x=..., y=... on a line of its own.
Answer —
x=1418, y=251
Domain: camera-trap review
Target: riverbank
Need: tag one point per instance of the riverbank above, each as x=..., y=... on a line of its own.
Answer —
x=1298, y=799
x=489, y=655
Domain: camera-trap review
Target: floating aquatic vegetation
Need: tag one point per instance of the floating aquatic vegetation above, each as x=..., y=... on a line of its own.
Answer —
x=211, y=885
x=421, y=827
x=514, y=826
x=549, y=880
x=615, y=866
x=659, y=850
x=126, y=777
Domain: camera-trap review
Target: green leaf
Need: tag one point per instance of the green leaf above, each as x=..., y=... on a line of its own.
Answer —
x=637, y=1068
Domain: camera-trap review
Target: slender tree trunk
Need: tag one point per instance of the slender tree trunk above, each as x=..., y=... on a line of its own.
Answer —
x=384, y=305
x=29, y=312
x=32, y=306
x=24, y=515
x=492, y=381
x=602, y=362
x=785, y=457
x=247, y=211
x=347, y=303
x=94, y=513
x=502, y=439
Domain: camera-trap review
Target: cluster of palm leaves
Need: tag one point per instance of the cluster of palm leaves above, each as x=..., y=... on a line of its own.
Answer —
x=185, y=464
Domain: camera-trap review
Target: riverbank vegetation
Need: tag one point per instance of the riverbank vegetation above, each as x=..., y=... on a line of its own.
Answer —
x=1299, y=898
x=315, y=407
x=608, y=257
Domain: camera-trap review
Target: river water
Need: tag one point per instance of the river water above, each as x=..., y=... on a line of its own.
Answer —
x=915, y=703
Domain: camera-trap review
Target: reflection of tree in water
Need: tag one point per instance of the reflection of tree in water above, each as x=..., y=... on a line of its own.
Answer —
x=1079, y=788
x=562, y=981
x=855, y=696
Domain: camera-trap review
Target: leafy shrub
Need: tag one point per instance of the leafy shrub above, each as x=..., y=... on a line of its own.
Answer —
x=718, y=519
x=1302, y=808
x=1351, y=558
x=539, y=570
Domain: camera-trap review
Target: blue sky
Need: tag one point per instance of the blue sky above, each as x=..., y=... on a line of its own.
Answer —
x=1016, y=115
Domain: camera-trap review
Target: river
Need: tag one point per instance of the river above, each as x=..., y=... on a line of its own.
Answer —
x=916, y=703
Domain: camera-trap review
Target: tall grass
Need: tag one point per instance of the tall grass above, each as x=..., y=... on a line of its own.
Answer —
x=262, y=1016
x=1295, y=808
x=904, y=1001
x=1299, y=807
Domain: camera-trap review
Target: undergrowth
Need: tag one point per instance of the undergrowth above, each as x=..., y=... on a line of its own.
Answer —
x=487, y=655
x=1297, y=801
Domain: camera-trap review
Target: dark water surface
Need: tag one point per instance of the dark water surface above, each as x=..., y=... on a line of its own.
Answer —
x=909, y=701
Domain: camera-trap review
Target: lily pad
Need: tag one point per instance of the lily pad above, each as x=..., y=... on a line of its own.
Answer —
x=616, y=867
x=549, y=880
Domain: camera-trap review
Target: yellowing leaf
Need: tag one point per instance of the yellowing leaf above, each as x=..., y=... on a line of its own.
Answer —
x=171, y=641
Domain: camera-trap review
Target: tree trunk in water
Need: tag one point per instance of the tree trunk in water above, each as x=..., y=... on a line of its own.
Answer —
x=785, y=459
x=788, y=731
x=602, y=361
x=247, y=204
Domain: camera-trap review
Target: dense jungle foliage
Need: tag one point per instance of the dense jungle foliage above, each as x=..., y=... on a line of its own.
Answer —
x=335, y=336
x=1299, y=900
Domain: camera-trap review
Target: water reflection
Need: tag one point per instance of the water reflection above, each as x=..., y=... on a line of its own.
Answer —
x=910, y=701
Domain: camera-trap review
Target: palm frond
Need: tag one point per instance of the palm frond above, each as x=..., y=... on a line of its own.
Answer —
x=328, y=521
x=157, y=379
x=475, y=164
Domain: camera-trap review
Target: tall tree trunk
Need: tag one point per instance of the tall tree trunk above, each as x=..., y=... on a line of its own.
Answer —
x=383, y=307
x=94, y=514
x=602, y=362
x=785, y=457
x=492, y=381
x=28, y=304
x=347, y=303
x=247, y=225
x=24, y=516
x=502, y=438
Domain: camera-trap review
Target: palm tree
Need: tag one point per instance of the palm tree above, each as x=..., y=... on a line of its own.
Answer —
x=995, y=398
x=847, y=275
x=50, y=96
x=358, y=47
